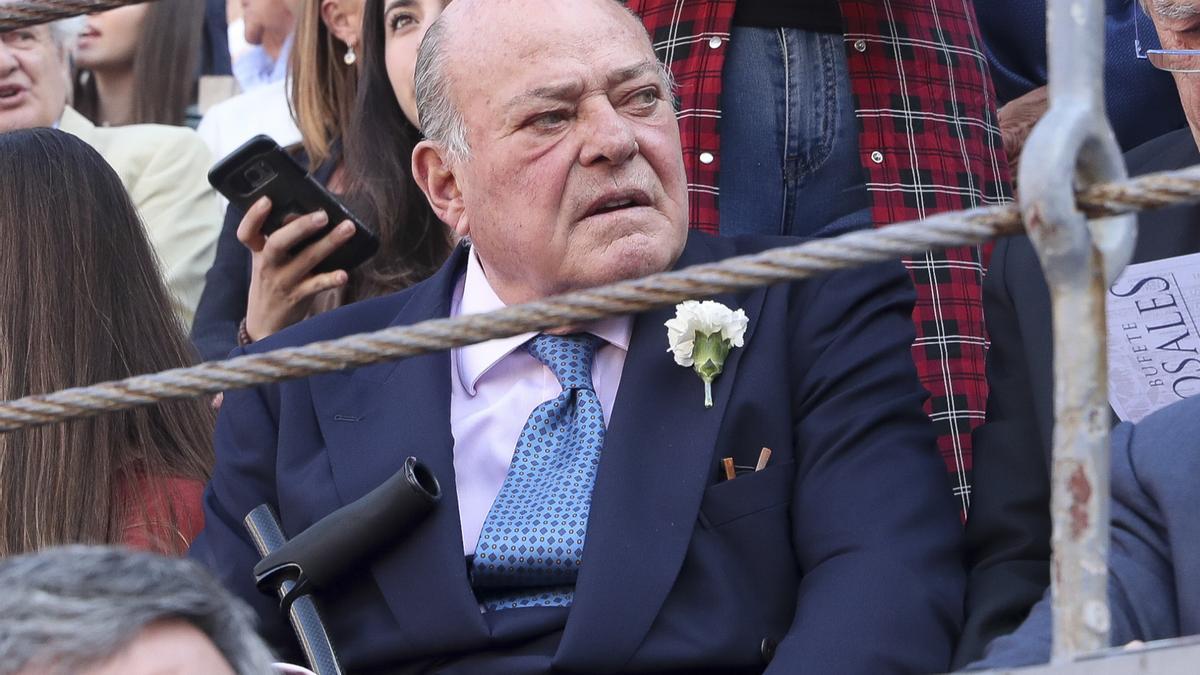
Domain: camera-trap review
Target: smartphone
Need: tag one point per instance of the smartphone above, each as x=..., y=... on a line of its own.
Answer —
x=260, y=168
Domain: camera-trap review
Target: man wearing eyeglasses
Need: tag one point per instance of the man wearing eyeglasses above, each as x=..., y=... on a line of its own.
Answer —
x=1014, y=40
x=1178, y=26
x=1154, y=561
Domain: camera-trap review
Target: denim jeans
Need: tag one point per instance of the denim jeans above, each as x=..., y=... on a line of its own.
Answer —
x=789, y=137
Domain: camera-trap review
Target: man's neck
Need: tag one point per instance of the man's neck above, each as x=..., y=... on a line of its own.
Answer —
x=114, y=90
x=273, y=42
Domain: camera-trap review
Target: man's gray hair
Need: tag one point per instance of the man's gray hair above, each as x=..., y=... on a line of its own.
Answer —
x=65, y=32
x=63, y=609
x=441, y=120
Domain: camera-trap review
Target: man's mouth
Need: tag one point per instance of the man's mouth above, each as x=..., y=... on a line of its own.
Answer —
x=616, y=201
x=10, y=91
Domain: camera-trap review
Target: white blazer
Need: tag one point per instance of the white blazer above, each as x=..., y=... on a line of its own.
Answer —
x=165, y=169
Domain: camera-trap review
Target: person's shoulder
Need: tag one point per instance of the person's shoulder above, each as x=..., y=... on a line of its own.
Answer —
x=1173, y=150
x=149, y=144
x=1014, y=259
x=722, y=248
x=1167, y=437
x=825, y=293
x=719, y=248
x=249, y=100
x=156, y=137
x=163, y=514
x=261, y=110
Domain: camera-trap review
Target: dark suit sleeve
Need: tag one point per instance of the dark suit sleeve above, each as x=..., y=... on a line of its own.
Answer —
x=1008, y=528
x=226, y=293
x=243, y=478
x=1141, y=586
x=1142, y=599
x=876, y=528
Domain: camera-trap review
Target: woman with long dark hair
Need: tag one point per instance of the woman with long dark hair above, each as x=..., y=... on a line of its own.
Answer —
x=138, y=64
x=377, y=149
x=83, y=302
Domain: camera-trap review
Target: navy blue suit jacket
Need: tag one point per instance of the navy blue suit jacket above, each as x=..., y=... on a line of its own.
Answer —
x=1154, y=560
x=842, y=556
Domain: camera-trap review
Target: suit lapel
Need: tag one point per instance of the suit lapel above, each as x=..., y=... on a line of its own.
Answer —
x=658, y=457
x=375, y=417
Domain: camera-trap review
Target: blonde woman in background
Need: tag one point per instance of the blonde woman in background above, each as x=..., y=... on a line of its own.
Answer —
x=321, y=92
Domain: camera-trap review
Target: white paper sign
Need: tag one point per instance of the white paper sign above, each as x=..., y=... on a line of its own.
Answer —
x=1153, y=338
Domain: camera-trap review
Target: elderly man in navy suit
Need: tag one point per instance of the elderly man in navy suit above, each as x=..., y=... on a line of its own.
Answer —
x=553, y=149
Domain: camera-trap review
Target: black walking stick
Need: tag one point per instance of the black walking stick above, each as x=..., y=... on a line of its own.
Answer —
x=334, y=545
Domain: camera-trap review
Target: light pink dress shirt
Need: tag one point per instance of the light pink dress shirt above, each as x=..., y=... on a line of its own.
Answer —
x=495, y=385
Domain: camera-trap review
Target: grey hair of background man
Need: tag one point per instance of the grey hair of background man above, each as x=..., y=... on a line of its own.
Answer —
x=441, y=120
x=1172, y=9
x=64, y=609
x=65, y=32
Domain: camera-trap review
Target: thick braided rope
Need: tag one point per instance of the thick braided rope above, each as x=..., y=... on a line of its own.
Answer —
x=32, y=12
x=787, y=263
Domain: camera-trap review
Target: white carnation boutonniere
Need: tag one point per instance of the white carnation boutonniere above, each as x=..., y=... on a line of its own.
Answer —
x=701, y=335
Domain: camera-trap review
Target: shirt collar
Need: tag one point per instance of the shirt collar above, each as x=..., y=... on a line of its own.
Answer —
x=474, y=361
x=256, y=67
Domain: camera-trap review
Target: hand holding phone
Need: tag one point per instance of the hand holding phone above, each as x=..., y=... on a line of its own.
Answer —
x=260, y=168
x=282, y=284
x=303, y=240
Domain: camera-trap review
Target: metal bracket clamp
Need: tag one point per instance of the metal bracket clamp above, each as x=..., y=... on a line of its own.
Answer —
x=1071, y=147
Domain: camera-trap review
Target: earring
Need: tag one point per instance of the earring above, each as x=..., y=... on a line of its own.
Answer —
x=350, y=56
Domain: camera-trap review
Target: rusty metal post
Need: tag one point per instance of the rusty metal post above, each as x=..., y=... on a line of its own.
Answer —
x=1071, y=147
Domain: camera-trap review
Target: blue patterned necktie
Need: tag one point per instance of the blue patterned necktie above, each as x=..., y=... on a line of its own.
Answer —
x=531, y=546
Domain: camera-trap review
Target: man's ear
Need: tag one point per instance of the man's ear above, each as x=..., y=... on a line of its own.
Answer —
x=436, y=178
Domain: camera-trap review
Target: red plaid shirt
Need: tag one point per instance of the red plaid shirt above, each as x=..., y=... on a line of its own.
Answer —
x=929, y=142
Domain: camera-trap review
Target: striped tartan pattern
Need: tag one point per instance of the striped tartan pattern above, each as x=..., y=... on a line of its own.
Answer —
x=929, y=142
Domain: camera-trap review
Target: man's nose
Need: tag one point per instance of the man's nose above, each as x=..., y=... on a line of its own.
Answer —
x=608, y=136
x=8, y=60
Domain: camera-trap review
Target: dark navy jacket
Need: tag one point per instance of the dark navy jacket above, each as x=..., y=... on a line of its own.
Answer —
x=842, y=556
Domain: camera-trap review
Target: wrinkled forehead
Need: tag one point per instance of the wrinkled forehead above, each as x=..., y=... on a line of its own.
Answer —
x=497, y=52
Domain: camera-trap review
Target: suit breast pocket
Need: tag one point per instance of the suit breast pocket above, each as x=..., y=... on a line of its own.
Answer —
x=747, y=494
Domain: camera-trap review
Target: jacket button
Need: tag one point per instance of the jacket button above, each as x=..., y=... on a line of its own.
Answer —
x=767, y=649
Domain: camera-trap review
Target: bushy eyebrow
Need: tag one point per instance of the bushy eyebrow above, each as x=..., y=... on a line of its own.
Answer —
x=569, y=90
x=632, y=72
